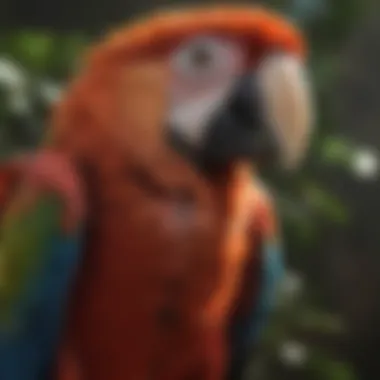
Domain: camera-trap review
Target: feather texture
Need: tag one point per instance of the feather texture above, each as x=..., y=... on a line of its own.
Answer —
x=38, y=260
x=258, y=296
x=23, y=236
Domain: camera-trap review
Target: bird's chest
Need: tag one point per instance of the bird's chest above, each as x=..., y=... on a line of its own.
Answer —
x=157, y=273
x=162, y=240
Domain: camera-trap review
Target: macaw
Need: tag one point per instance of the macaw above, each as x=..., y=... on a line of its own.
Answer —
x=138, y=241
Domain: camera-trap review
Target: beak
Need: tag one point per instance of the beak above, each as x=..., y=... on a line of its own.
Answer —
x=287, y=106
x=266, y=119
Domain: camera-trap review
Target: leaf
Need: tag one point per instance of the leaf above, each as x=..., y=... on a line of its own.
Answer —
x=336, y=150
x=315, y=320
x=324, y=203
x=326, y=369
x=32, y=49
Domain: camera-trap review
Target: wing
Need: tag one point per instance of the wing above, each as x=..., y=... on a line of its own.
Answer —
x=38, y=261
x=262, y=276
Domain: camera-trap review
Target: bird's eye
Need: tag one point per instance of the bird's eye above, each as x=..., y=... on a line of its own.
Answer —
x=206, y=56
x=200, y=57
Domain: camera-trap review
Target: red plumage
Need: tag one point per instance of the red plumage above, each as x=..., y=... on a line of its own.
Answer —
x=165, y=249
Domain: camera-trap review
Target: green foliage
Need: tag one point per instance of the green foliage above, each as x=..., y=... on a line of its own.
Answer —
x=324, y=368
x=44, y=53
x=32, y=49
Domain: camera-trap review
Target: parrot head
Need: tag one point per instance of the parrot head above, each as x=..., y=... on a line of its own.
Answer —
x=220, y=85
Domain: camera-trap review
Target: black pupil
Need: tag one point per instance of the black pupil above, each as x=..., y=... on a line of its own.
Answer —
x=201, y=57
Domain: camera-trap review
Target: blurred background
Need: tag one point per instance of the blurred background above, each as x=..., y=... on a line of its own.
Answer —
x=327, y=325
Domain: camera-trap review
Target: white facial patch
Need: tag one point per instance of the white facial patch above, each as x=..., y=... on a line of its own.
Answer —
x=287, y=102
x=205, y=69
x=192, y=116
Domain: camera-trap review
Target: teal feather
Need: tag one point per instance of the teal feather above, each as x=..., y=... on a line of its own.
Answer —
x=42, y=260
x=247, y=329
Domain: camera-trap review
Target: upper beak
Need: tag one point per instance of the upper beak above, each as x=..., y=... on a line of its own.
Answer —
x=287, y=106
x=267, y=117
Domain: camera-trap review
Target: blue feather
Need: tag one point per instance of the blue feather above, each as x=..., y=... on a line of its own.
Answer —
x=247, y=329
x=27, y=351
x=272, y=273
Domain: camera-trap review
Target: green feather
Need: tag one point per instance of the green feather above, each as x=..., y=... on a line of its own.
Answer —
x=23, y=241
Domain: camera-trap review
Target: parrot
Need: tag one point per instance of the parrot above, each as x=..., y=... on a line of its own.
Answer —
x=138, y=241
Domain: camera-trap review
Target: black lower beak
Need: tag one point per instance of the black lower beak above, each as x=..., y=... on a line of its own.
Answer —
x=239, y=130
